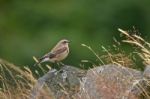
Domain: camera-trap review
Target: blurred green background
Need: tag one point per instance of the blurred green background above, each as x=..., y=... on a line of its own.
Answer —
x=32, y=27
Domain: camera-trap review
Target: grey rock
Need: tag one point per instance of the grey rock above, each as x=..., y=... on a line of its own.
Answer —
x=66, y=83
x=146, y=72
x=103, y=82
x=110, y=82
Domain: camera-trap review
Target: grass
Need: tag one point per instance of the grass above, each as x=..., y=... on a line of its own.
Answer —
x=142, y=49
x=111, y=57
x=16, y=83
x=142, y=46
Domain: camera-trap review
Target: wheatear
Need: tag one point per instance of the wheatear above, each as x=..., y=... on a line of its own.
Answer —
x=57, y=54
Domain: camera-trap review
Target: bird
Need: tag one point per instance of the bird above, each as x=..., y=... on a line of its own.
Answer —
x=57, y=54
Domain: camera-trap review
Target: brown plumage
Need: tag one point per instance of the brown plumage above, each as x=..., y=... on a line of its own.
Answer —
x=57, y=54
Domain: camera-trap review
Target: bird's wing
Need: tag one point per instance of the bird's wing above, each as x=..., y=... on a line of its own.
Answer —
x=60, y=50
x=54, y=53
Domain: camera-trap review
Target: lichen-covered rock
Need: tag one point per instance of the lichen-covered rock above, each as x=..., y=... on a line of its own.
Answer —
x=146, y=72
x=66, y=82
x=103, y=82
x=110, y=82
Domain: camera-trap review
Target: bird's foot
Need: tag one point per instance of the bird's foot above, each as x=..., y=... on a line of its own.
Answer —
x=60, y=64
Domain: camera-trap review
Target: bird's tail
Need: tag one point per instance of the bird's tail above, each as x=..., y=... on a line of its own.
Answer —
x=41, y=60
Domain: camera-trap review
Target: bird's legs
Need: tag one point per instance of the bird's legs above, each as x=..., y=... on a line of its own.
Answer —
x=60, y=64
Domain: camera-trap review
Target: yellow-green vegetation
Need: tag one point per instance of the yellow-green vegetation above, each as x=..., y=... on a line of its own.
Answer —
x=119, y=57
x=16, y=83
x=142, y=46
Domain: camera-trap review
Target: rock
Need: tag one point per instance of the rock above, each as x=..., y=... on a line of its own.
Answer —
x=103, y=82
x=66, y=82
x=146, y=72
x=110, y=82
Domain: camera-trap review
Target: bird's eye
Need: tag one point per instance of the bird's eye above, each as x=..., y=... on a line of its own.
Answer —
x=65, y=41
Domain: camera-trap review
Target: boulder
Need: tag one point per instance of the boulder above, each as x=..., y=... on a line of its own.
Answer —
x=102, y=82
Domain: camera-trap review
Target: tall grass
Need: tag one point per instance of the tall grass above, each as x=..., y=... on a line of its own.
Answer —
x=142, y=46
x=15, y=83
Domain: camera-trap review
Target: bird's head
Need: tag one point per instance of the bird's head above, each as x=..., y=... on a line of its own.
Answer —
x=64, y=42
